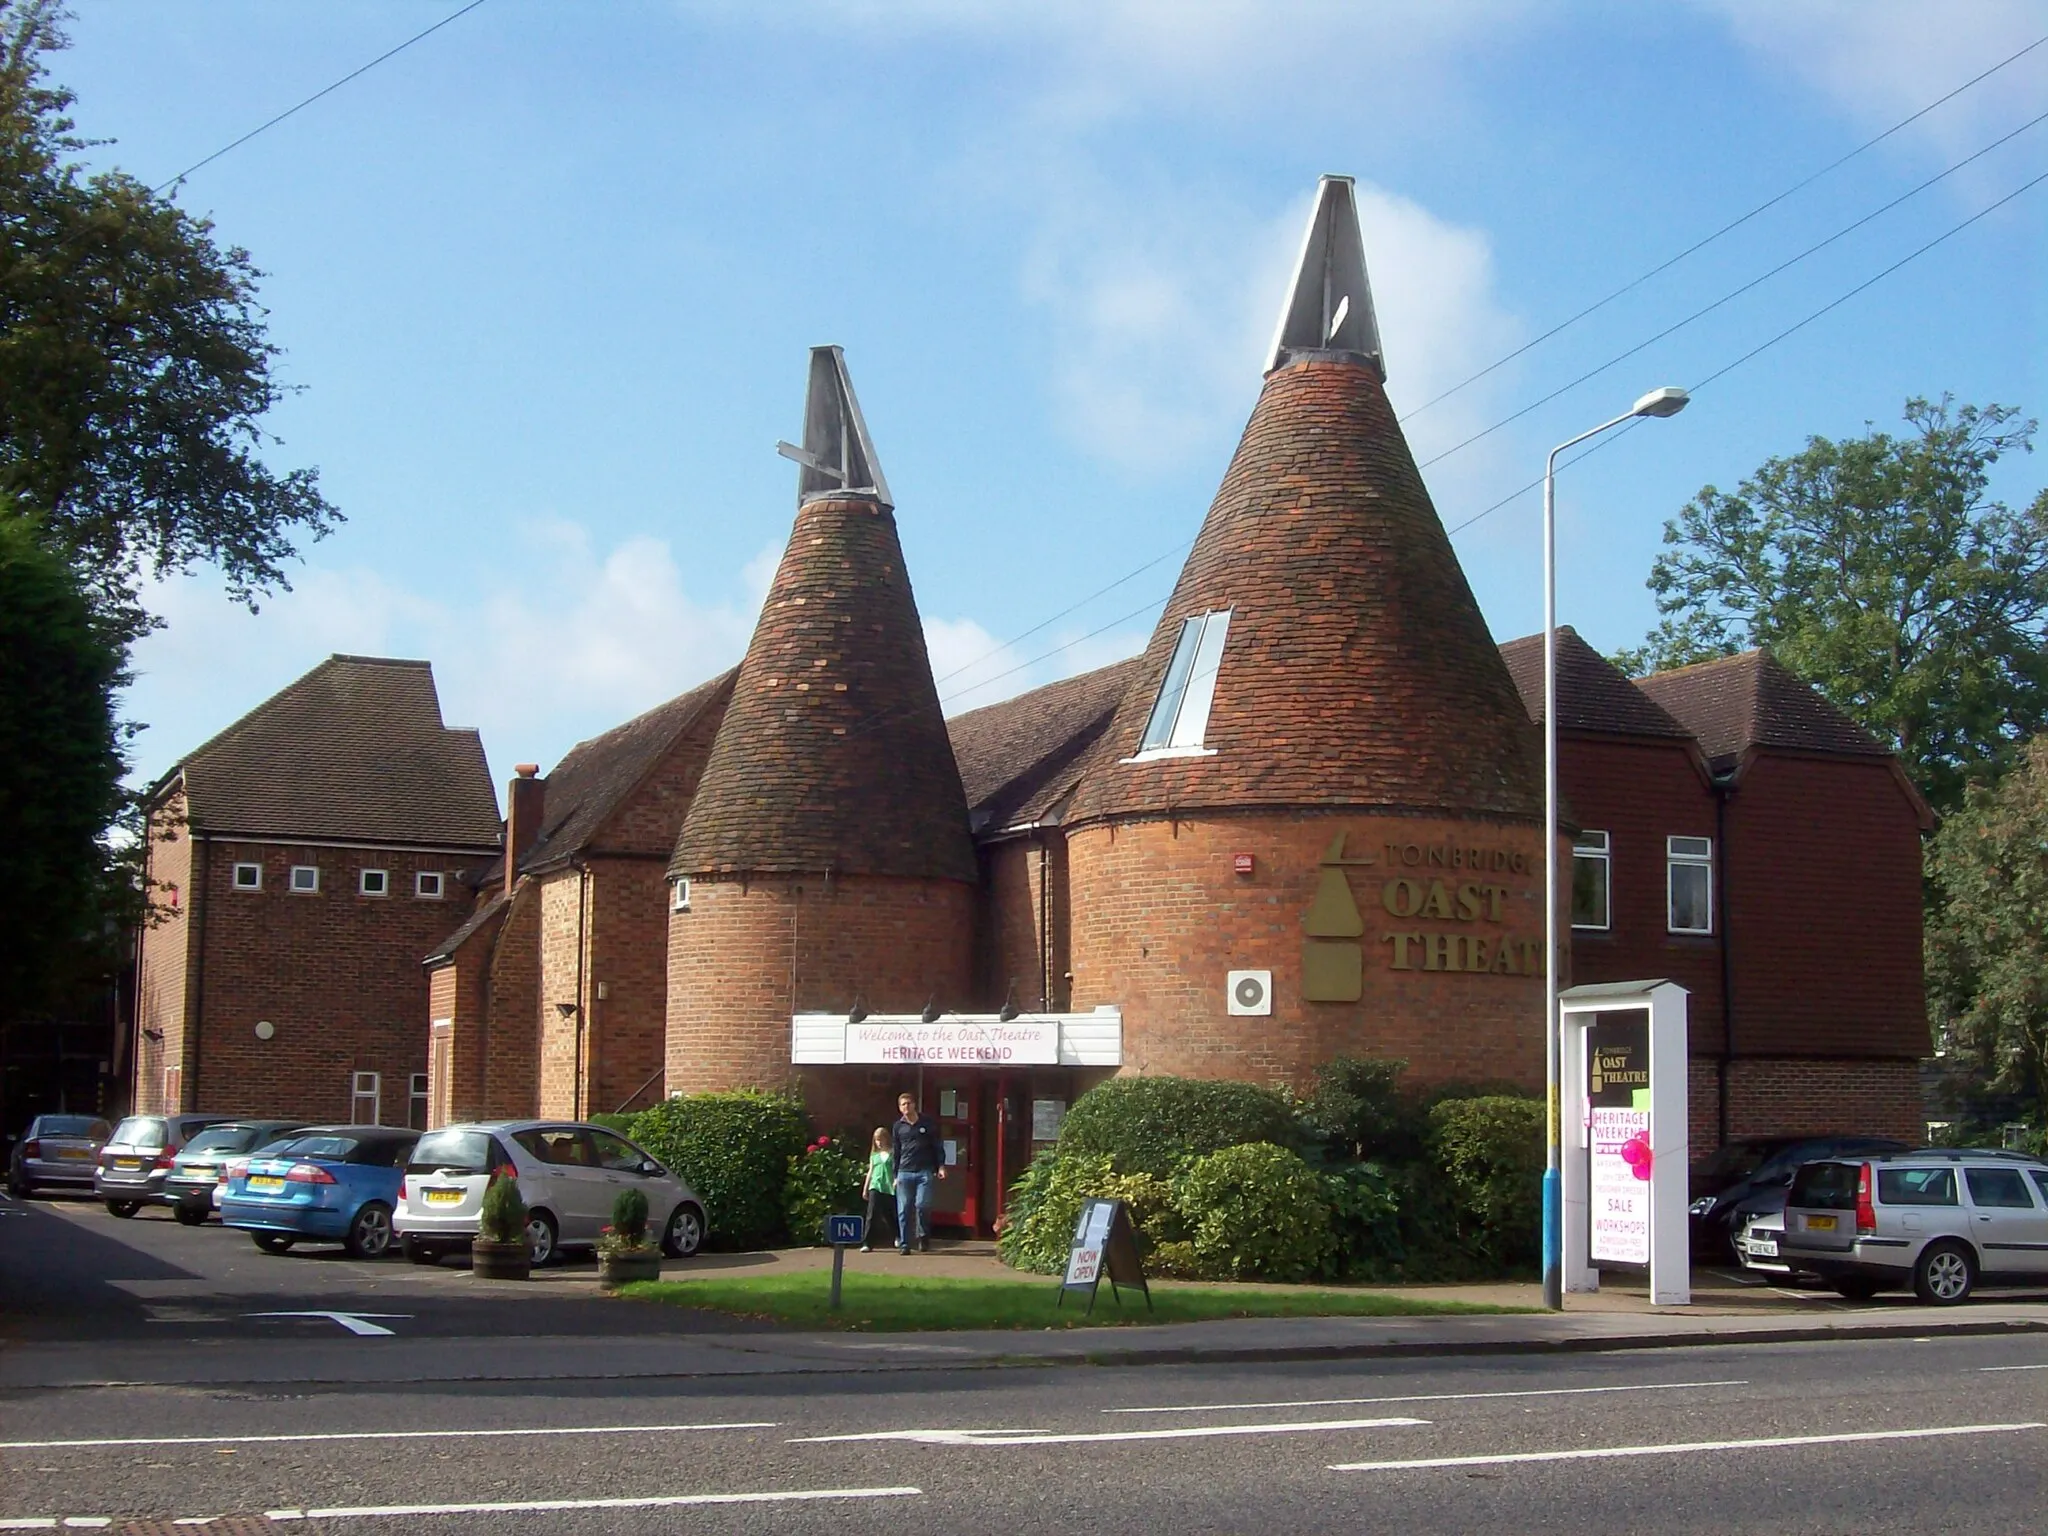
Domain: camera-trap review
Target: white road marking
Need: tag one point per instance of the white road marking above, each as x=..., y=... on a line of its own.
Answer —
x=2042, y=1367
x=1048, y=1437
x=1692, y=1448
x=29, y=1523
x=543, y=1506
x=87, y=1522
x=357, y=1323
x=378, y=1434
x=1429, y=1397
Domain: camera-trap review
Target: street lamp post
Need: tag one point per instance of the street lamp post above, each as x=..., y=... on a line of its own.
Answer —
x=1668, y=401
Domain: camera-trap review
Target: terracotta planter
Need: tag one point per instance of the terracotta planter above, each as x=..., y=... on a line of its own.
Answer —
x=616, y=1269
x=499, y=1261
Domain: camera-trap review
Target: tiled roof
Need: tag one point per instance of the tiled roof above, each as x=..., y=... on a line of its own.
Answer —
x=595, y=775
x=1358, y=670
x=355, y=751
x=833, y=753
x=1753, y=700
x=1018, y=758
x=1593, y=694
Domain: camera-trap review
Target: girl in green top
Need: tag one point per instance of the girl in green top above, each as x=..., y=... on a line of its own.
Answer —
x=880, y=1187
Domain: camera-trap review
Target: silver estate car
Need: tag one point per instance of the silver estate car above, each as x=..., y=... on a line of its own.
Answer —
x=1938, y=1221
x=57, y=1152
x=569, y=1174
x=138, y=1157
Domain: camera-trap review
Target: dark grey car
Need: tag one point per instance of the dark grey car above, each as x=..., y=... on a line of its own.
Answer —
x=56, y=1152
x=138, y=1157
x=192, y=1187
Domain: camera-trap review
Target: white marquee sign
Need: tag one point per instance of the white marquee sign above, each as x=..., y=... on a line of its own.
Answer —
x=959, y=1040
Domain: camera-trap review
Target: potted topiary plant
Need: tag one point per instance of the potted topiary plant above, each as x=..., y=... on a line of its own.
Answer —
x=499, y=1250
x=623, y=1252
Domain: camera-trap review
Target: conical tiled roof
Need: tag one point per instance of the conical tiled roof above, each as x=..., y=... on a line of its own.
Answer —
x=1357, y=669
x=833, y=753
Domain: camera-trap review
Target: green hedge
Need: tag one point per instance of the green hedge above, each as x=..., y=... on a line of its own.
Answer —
x=1256, y=1211
x=823, y=1181
x=623, y=1124
x=734, y=1150
x=1490, y=1153
x=1154, y=1124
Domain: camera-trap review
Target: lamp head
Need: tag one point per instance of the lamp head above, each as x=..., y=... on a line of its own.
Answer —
x=1668, y=401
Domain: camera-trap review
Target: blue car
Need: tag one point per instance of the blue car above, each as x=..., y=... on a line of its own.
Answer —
x=327, y=1184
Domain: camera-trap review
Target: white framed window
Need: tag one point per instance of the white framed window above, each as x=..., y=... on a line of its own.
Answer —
x=1689, y=862
x=364, y=1098
x=679, y=895
x=427, y=885
x=248, y=877
x=416, y=1103
x=1592, y=902
x=1180, y=716
x=306, y=878
x=373, y=882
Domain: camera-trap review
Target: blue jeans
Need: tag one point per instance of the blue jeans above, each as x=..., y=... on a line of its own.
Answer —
x=913, y=1207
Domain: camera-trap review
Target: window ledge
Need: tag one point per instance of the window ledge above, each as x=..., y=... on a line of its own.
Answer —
x=1160, y=754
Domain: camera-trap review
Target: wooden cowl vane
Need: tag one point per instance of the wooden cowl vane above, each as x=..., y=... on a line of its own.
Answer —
x=833, y=754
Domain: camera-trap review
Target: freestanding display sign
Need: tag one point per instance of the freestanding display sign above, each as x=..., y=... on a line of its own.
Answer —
x=1623, y=1109
x=1104, y=1244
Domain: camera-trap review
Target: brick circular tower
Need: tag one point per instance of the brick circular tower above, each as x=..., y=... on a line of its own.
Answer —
x=826, y=848
x=1322, y=774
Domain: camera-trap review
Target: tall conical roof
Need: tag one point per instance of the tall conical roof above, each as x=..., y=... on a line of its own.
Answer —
x=833, y=753
x=1355, y=669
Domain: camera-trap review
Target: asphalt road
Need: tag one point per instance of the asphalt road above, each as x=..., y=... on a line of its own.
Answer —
x=1898, y=1435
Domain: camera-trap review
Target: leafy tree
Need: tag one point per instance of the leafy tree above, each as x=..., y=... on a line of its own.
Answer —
x=60, y=770
x=134, y=367
x=1987, y=945
x=1878, y=569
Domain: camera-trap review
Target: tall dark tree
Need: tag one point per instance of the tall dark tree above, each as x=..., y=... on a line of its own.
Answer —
x=134, y=365
x=1879, y=570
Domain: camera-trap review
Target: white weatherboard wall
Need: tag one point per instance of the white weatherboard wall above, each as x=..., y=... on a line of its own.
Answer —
x=959, y=1039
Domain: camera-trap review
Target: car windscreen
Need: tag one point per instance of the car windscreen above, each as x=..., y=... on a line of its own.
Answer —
x=224, y=1138
x=456, y=1152
x=72, y=1125
x=334, y=1148
x=1825, y=1187
x=141, y=1131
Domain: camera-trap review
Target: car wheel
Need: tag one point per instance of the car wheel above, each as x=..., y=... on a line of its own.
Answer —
x=541, y=1237
x=190, y=1215
x=17, y=1186
x=684, y=1234
x=369, y=1235
x=421, y=1253
x=1856, y=1287
x=272, y=1242
x=123, y=1208
x=1945, y=1275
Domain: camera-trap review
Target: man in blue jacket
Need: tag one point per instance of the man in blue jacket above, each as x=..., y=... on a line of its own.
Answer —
x=920, y=1158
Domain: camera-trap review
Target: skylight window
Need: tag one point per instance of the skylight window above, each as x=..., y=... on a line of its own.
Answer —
x=1181, y=716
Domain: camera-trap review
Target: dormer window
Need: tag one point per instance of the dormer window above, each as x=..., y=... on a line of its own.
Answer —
x=679, y=894
x=1181, y=715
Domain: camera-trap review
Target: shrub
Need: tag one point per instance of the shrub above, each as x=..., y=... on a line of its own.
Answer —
x=629, y=1215
x=1177, y=1261
x=1358, y=1110
x=734, y=1150
x=1256, y=1211
x=1154, y=1124
x=623, y=1124
x=1365, y=1222
x=823, y=1181
x=1044, y=1204
x=1490, y=1154
x=503, y=1218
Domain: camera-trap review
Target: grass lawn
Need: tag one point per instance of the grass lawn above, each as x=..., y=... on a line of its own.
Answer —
x=891, y=1303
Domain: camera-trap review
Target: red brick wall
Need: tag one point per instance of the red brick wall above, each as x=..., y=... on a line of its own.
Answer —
x=163, y=969
x=564, y=979
x=1020, y=925
x=1159, y=917
x=512, y=1038
x=748, y=955
x=1823, y=871
x=629, y=964
x=1791, y=1096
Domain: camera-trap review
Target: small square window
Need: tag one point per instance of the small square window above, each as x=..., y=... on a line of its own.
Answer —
x=374, y=882
x=305, y=878
x=679, y=895
x=1590, y=871
x=1690, y=884
x=427, y=884
x=248, y=877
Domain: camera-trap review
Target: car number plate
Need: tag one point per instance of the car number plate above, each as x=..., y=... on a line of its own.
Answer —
x=72, y=1154
x=264, y=1184
x=1763, y=1248
x=1820, y=1223
x=444, y=1197
x=127, y=1162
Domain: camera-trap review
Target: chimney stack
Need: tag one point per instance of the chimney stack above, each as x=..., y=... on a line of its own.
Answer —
x=526, y=801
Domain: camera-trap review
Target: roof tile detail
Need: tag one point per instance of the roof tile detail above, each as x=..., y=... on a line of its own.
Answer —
x=833, y=753
x=355, y=751
x=1019, y=758
x=1358, y=670
x=1735, y=703
x=1593, y=694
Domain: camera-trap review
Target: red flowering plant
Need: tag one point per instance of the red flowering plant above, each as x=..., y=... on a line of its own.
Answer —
x=823, y=1181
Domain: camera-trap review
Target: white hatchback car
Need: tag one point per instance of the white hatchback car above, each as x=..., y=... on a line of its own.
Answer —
x=569, y=1174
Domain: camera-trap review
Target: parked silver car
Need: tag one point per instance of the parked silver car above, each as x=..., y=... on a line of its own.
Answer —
x=56, y=1152
x=1935, y=1220
x=569, y=1174
x=199, y=1173
x=138, y=1157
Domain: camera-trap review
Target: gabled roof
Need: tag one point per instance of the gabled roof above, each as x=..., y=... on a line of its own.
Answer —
x=1593, y=694
x=353, y=751
x=1753, y=700
x=596, y=775
x=1020, y=757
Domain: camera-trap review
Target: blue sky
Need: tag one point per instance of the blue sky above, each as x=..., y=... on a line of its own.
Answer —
x=545, y=282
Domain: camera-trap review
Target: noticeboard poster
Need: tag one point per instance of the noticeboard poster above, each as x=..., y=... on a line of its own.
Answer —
x=1618, y=1139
